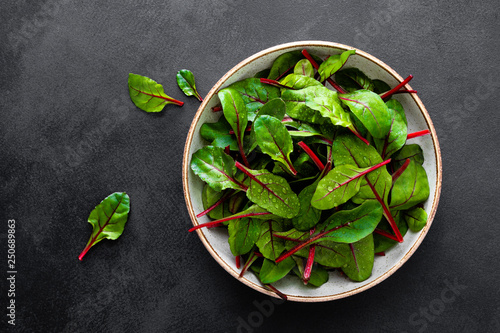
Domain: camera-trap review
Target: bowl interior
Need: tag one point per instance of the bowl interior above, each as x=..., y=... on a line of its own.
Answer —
x=215, y=240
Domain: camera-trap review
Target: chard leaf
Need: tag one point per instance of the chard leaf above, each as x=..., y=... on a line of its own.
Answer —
x=396, y=138
x=272, y=193
x=333, y=64
x=308, y=215
x=360, y=265
x=212, y=131
x=272, y=272
x=297, y=81
x=352, y=79
x=263, y=73
x=411, y=188
x=380, y=86
x=370, y=109
x=413, y=152
x=243, y=233
x=185, y=81
x=108, y=219
x=215, y=168
x=209, y=197
x=319, y=275
x=383, y=243
x=283, y=64
x=338, y=186
x=304, y=67
x=327, y=253
x=416, y=218
x=304, y=165
x=255, y=94
x=329, y=106
x=396, y=106
x=269, y=245
x=274, y=140
x=147, y=94
x=275, y=108
x=296, y=107
x=235, y=112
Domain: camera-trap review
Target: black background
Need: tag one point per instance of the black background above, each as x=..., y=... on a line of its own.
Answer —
x=70, y=136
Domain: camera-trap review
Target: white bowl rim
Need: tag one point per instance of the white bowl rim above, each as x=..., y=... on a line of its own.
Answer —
x=186, y=158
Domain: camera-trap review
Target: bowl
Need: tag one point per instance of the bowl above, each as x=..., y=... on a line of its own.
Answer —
x=215, y=239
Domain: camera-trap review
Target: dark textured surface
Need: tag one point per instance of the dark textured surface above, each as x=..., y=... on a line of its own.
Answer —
x=70, y=136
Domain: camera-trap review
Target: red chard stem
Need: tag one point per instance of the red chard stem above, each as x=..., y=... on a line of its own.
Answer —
x=316, y=66
x=385, y=234
x=312, y=155
x=399, y=171
x=221, y=200
x=417, y=134
x=249, y=262
x=234, y=217
x=279, y=293
x=216, y=108
x=396, y=88
x=274, y=83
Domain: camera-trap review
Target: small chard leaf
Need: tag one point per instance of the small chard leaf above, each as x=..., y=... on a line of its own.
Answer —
x=370, y=109
x=352, y=79
x=319, y=275
x=235, y=111
x=380, y=87
x=360, y=265
x=338, y=186
x=274, y=140
x=269, y=245
x=262, y=74
x=272, y=272
x=396, y=138
x=296, y=107
x=108, y=219
x=185, y=81
x=413, y=152
x=275, y=108
x=255, y=94
x=147, y=94
x=283, y=64
x=308, y=216
x=272, y=193
x=416, y=218
x=212, y=131
x=305, y=165
x=304, y=67
x=297, y=81
x=243, y=233
x=382, y=243
x=334, y=63
x=411, y=188
x=398, y=108
x=209, y=197
x=331, y=254
x=329, y=106
x=215, y=168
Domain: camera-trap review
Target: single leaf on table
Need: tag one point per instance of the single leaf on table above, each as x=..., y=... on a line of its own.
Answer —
x=147, y=94
x=274, y=140
x=370, y=109
x=411, y=188
x=296, y=107
x=215, y=167
x=416, y=218
x=304, y=67
x=271, y=272
x=108, y=219
x=396, y=138
x=185, y=81
x=360, y=265
x=255, y=94
x=269, y=245
x=308, y=215
x=338, y=186
x=297, y=82
x=271, y=192
x=283, y=64
x=334, y=63
x=243, y=233
x=352, y=79
x=413, y=152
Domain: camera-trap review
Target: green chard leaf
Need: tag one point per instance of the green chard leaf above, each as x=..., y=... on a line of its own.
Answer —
x=235, y=112
x=108, y=219
x=329, y=106
x=335, y=62
x=383, y=243
x=416, y=218
x=274, y=140
x=283, y=64
x=269, y=245
x=352, y=79
x=308, y=215
x=215, y=168
x=272, y=272
x=304, y=67
x=296, y=107
x=360, y=265
x=370, y=109
x=147, y=94
x=413, y=152
x=275, y=108
x=209, y=197
x=396, y=138
x=297, y=81
x=255, y=94
x=380, y=87
x=243, y=233
x=319, y=275
x=411, y=188
x=263, y=73
x=211, y=131
x=272, y=193
x=185, y=81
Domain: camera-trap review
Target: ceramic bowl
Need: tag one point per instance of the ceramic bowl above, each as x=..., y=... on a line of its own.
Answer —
x=215, y=239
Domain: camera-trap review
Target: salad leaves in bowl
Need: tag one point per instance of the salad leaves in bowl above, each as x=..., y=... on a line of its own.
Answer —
x=311, y=171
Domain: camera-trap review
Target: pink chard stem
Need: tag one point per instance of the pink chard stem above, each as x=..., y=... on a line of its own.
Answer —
x=312, y=155
x=396, y=88
x=216, y=222
x=417, y=134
